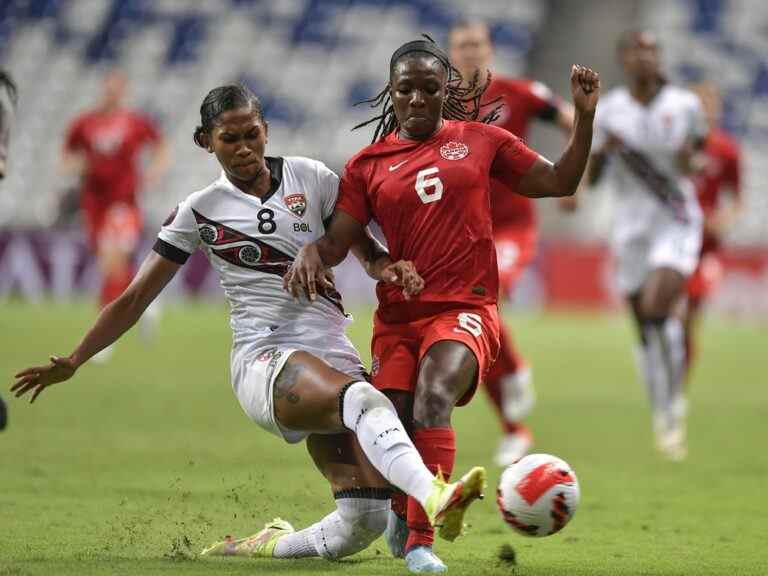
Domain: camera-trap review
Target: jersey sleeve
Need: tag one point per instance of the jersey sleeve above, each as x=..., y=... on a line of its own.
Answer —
x=353, y=195
x=512, y=159
x=178, y=238
x=600, y=128
x=147, y=129
x=698, y=124
x=543, y=103
x=733, y=171
x=75, y=139
x=328, y=187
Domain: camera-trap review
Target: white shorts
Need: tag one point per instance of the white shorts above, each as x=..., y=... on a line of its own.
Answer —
x=673, y=245
x=256, y=367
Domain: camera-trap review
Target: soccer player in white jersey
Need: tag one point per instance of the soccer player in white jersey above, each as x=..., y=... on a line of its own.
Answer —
x=294, y=371
x=645, y=140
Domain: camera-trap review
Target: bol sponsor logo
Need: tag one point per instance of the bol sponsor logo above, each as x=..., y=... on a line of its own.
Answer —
x=296, y=203
x=454, y=150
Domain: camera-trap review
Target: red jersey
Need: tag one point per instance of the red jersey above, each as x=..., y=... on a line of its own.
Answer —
x=431, y=200
x=111, y=143
x=720, y=172
x=522, y=101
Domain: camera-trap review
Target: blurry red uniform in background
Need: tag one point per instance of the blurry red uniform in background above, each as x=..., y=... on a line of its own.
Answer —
x=720, y=174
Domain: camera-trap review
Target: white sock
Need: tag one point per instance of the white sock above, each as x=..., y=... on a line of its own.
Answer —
x=675, y=343
x=373, y=419
x=651, y=359
x=295, y=545
x=352, y=527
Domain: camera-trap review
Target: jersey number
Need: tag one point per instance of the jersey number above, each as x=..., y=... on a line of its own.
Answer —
x=423, y=184
x=266, y=219
x=472, y=323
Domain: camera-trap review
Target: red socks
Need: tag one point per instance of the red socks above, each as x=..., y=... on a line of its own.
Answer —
x=115, y=284
x=508, y=362
x=437, y=447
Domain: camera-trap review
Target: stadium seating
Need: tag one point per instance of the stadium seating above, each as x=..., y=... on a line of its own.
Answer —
x=309, y=61
x=725, y=41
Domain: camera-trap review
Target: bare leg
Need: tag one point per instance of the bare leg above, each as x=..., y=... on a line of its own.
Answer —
x=447, y=371
x=310, y=395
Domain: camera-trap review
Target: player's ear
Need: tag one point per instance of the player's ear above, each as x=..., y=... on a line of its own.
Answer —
x=266, y=130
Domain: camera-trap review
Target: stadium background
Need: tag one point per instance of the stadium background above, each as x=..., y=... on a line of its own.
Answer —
x=310, y=61
x=148, y=458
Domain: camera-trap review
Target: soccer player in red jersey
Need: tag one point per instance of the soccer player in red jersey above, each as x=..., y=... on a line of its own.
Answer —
x=514, y=220
x=426, y=181
x=103, y=147
x=719, y=174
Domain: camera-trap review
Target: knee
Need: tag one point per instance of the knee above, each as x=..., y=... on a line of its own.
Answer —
x=358, y=399
x=653, y=309
x=434, y=403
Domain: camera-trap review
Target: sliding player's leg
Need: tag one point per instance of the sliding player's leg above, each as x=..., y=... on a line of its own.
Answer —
x=362, y=504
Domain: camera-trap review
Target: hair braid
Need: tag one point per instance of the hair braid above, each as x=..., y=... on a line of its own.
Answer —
x=460, y=103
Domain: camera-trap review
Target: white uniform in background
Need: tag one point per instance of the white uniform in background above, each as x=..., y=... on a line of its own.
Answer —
x=251, y=242
x=657, y=221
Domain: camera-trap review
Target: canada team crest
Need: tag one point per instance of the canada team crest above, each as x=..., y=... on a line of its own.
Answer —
x=454, y=150
x=297, y=203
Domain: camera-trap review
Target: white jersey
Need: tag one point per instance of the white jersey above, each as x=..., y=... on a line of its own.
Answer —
x=251, y=242
x=643, y=170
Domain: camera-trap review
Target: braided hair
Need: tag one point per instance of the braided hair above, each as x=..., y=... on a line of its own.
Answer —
x=461, y=102
x=220, y=100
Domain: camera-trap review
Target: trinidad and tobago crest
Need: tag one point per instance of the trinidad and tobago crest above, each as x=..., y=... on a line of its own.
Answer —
x=296, y=203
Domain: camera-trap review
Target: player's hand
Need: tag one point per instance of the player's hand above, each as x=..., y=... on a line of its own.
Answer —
x=307, y=270
x=38, y=378
x=403, y=273
x=585, y=88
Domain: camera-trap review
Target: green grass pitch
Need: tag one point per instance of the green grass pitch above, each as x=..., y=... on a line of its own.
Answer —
x=133, y=467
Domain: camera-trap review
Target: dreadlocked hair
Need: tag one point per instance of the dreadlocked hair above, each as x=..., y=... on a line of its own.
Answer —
x=10, y=85
x=461, y=102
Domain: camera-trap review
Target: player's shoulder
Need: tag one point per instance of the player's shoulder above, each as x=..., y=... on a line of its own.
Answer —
x=210, y=194
x=681, y=96
x=723, y=142
x=617, y=96
x=481, y=130
x=366, y=156
x=304, y=165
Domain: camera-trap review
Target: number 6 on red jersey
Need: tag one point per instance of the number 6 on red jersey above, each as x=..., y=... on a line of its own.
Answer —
x=422, y=183
x=472, y=323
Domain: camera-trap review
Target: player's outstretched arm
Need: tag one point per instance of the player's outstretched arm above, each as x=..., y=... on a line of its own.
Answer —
x=114, y=319
x=562, y=178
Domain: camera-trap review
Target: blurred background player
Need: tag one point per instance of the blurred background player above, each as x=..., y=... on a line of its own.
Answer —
x=7, y=106
x=646, y=135
x=514, y=220
x=103, y=148
x=719, y=174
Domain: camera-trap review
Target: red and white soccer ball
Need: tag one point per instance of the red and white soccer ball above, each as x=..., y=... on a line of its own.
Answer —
x=538, y=495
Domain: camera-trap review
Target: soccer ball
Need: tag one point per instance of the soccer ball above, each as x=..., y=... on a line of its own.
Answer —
x=538, y=495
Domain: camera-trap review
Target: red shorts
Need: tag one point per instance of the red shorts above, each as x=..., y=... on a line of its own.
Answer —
x=115, y=227
x=515, y=249
x=706, y=277
x=397, y=348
